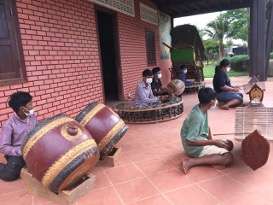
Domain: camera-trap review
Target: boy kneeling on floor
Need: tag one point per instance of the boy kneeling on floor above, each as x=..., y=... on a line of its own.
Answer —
x=13, y=133
x=197, y=139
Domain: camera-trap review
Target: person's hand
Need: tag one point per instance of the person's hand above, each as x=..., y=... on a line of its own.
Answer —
x=163, y=99
x=236, y=89
x=230, y=145
x=222, y=144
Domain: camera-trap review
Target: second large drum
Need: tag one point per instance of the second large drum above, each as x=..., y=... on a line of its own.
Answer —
x=105, y=126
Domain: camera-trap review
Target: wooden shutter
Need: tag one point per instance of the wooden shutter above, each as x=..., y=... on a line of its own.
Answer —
x=11, y=60
x=150, y=48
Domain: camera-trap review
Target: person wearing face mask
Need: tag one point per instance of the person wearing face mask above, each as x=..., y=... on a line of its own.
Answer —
x=183, y=75
x=144, y=95
x=156, y=85
x=227, y=95
x=13, y=133
x=197, y=139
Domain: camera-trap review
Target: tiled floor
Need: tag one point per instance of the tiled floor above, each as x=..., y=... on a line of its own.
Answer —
x=149, y=171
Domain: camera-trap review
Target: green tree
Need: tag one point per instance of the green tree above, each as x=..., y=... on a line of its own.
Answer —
x=219, y=30
x=212, y=48
x=238, y=23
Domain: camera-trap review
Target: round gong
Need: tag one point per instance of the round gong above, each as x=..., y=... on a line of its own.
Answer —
x=59, y=151
x=105, y=126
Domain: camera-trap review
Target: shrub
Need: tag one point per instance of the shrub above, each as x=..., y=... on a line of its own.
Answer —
x=239, y=63
x=271, y=55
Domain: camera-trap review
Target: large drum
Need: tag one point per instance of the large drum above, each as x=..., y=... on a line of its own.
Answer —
x=105, y=126
x=176, y=87
x=59, y=152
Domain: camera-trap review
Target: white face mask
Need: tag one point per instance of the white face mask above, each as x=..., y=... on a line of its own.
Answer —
x=185, y=71
x=228, y=69
x=30, y=112
x=149, y=80
x=215, y=105
x=159, y=75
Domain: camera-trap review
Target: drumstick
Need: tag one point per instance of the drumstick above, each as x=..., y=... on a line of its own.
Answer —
x=232, y=133
x=165, y=44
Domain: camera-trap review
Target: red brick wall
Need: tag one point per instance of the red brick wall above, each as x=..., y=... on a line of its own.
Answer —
x=60, y=48
x=61, y=56
x=133, y=49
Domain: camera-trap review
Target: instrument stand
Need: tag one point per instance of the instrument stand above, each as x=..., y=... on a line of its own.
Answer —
x=65, y=197
x=112, y=159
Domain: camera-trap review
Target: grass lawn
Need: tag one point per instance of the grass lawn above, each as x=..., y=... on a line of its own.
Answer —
x=209, y=72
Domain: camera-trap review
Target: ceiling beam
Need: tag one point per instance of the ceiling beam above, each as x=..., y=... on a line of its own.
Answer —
x=180, y=8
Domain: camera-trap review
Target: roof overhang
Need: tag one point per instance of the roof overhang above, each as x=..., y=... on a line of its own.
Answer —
x=180, y=8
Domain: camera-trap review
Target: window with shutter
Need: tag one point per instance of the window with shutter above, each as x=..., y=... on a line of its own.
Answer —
x=12, y=67
x=150, y=48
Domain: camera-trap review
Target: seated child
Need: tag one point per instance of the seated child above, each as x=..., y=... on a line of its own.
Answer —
x=156, y=85
x=183, y=75
x=196, y=136
x=144, y=95
x=13, y=133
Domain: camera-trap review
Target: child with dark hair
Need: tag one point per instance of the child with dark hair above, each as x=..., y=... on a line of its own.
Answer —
x=227, y=94
x=13, y=133
x=144, y=95
x=197, y=139
x=156, y=85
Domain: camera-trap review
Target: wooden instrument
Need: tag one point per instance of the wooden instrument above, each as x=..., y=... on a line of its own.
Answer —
x=248, y=119
x=176, y=87
x=255, y=150
x=58, y=152
x=141, y=115
x=105, y=126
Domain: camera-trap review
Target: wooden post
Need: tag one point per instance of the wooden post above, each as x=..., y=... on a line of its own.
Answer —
x=261, y=49
x=258, y=38
x=269, y=33
x=253, y=39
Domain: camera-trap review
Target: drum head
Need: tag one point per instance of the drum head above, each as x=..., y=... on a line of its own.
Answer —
x=176, y=87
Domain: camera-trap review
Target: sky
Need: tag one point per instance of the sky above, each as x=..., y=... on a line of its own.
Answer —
x=200, y=21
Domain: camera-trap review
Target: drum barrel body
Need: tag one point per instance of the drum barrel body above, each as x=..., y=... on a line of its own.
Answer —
x=176, y=87
x=59, y=151
x=105, y=126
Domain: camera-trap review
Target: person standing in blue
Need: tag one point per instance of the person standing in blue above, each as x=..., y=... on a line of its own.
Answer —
x=227, y=95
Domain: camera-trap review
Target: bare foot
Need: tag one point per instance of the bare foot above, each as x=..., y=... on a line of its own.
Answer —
x=244, y=104
x=224, y=107
x=185, y=166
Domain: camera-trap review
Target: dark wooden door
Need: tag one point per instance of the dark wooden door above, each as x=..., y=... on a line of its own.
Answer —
x=10, y=65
